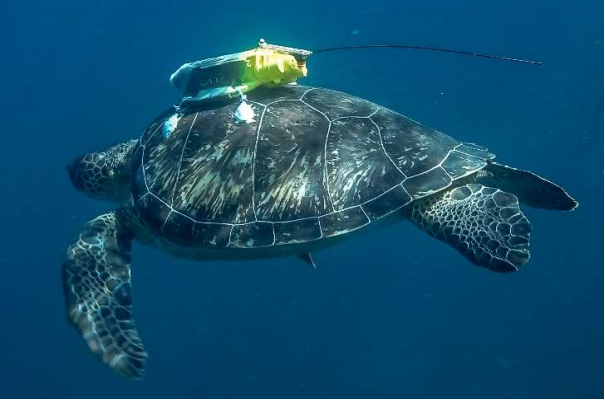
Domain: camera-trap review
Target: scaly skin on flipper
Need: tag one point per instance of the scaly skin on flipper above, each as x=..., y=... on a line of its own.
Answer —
x=96, y=282
x=484, y=224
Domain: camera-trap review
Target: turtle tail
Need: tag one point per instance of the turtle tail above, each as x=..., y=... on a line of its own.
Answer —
x=531, y=189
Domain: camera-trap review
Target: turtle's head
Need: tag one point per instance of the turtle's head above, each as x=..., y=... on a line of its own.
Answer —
x=104, y=175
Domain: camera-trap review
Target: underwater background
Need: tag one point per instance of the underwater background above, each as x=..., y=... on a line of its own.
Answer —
x=390, y=313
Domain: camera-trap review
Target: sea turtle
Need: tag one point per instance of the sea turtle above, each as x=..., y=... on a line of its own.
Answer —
x=312, y=167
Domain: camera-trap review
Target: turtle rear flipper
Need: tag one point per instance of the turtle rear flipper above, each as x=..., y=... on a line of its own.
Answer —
x=96, y=280
x=484, y=224
x=530, y=188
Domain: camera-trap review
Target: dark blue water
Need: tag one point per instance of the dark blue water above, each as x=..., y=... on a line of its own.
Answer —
x=392, y=313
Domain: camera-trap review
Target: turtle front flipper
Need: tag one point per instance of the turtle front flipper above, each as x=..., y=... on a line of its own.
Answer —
x=96, y=281
x=484, y=224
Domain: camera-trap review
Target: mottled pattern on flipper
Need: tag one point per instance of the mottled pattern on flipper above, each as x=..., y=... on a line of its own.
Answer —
x=484, y=224
x=96, y=280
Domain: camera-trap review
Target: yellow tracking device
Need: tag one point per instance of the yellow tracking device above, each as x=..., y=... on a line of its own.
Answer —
x=269, y=65
x=235, y=74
